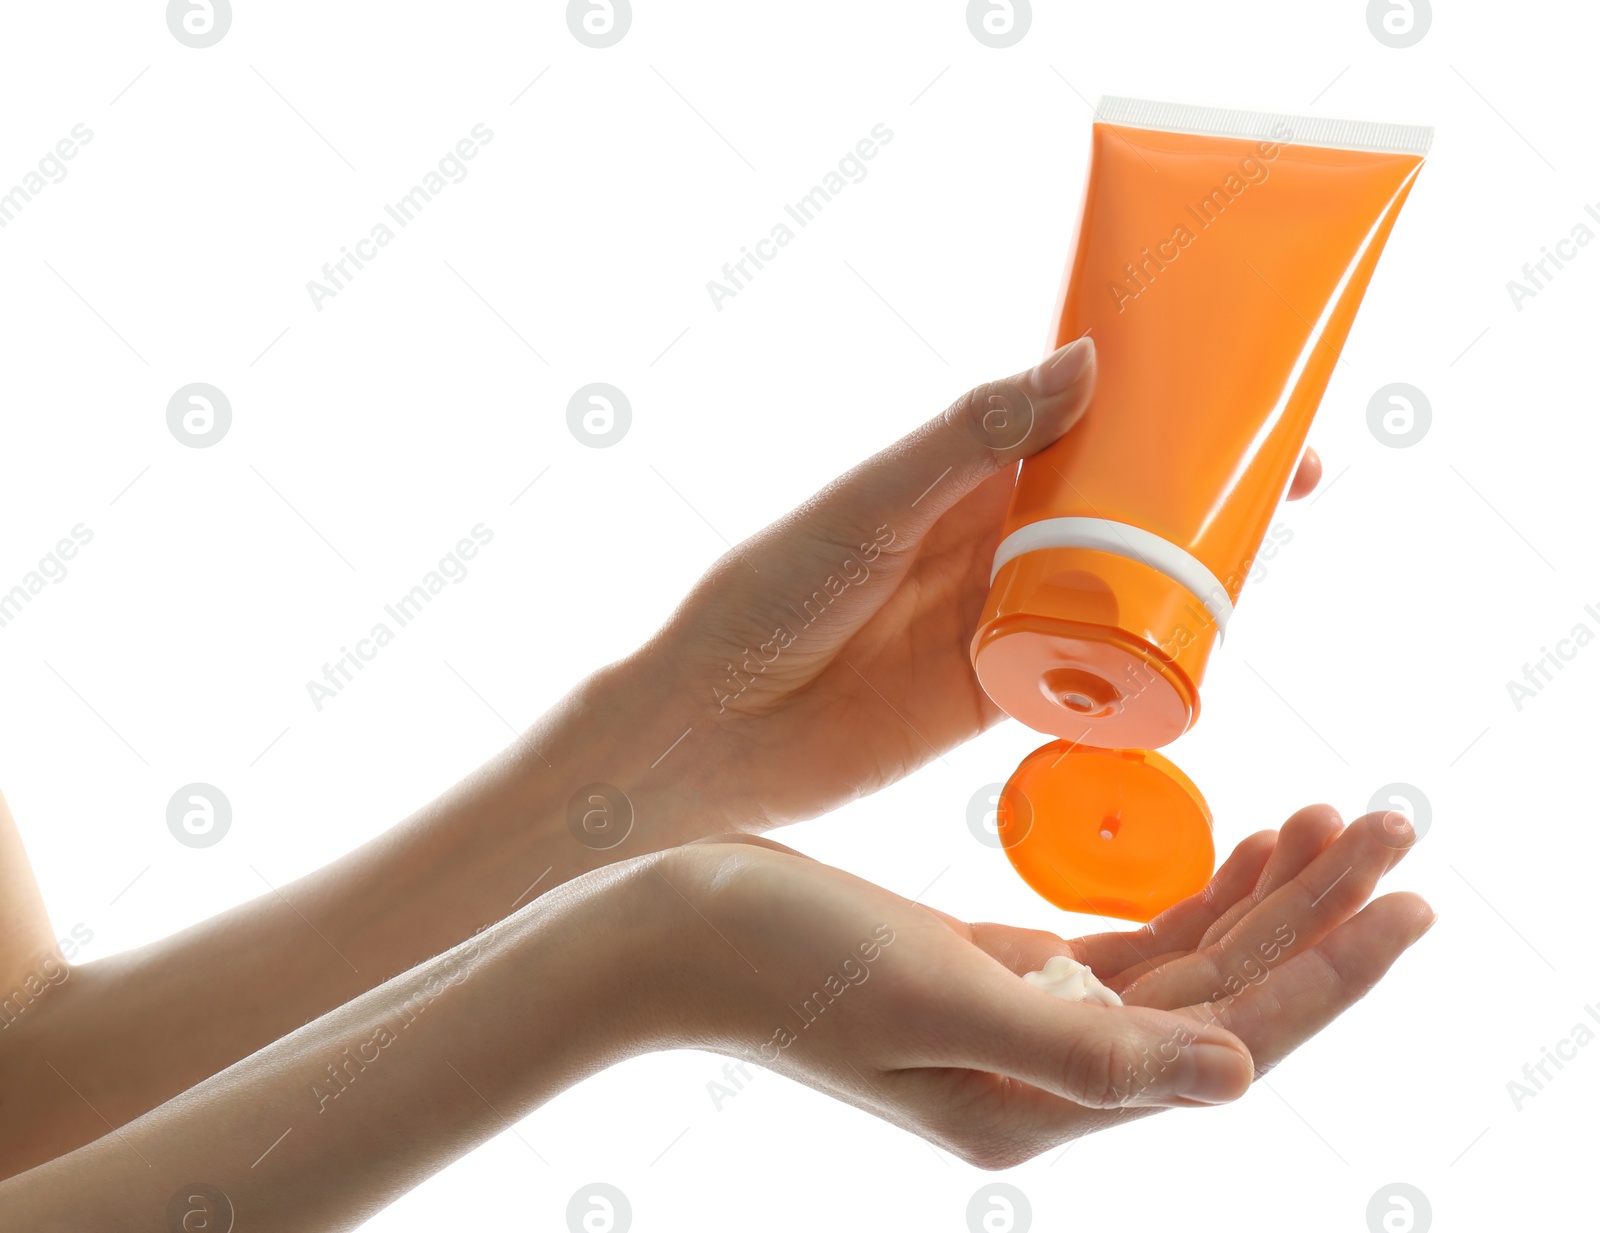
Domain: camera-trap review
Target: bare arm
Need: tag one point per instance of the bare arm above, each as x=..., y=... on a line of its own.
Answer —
x=753, y=950
x=191, y=1004
x=327, y=1125
x=716, y=724
x=117, y=1037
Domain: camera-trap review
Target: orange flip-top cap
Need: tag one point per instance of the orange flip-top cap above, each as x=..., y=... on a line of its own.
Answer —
x=1093, y=647
x=1114, y=832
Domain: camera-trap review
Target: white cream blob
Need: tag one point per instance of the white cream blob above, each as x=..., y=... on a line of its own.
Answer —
x=1070, y=980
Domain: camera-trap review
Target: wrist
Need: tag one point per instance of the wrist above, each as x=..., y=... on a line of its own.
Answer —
x=633, y=952
x=693, y=954
x=616, y=768
x=597, y=953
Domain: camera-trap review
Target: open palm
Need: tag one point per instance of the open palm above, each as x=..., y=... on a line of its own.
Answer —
x=934, y=1031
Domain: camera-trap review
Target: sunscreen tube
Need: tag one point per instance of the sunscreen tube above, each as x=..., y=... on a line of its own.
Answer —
x=1219, y=260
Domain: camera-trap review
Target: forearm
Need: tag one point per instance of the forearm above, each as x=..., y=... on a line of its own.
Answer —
x=133, y=1030
x=500, y=837
x=328, y=1124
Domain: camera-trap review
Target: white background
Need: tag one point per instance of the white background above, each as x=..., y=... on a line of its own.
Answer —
x=1376, y=649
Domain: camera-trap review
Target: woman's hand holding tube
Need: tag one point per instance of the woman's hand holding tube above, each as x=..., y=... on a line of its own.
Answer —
x=828, y=655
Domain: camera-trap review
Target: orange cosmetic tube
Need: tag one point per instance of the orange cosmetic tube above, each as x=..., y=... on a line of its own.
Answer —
x=1219, y=260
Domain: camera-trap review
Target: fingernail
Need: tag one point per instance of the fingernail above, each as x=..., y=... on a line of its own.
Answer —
x=1392, y=829
x=1062, y=367
x=1212, y=1074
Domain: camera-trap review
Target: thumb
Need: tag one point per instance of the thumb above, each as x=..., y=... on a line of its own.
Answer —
x=886, y=505
x=989, y=428
x=1105, y=1057
x=1020, y=415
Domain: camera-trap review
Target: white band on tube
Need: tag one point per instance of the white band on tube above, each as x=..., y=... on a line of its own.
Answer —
x=1123, y=540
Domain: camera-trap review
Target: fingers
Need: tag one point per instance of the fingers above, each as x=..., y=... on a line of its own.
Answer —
x=1127, y=953
x=1300, y=840
x=1304, y=836
x=1102, y=1057
x=1095, y=1056
x=846, y=548
x=1307, y=477
x=1180, y=927
x=1308, y=992
x=1290, y=920
x=906, y=487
